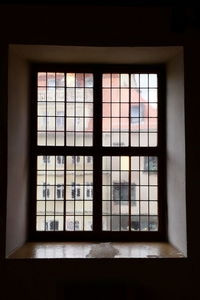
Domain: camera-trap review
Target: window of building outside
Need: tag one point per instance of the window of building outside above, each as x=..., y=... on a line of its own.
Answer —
x=98, y=152
x=60, y=159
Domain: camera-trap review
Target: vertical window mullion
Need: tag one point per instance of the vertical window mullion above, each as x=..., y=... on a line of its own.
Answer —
x=129, y=135
x=161, y=153
x=97, y=153
x=129, y=195
x=45, y=195
x=46, y=112
x=55, y=189
x=75, y=191
x=148, y=120
x=64, y=156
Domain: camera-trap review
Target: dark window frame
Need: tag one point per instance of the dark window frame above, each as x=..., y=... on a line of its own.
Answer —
x=98, y=151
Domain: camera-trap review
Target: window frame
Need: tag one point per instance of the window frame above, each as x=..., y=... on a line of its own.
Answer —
x=98, y=151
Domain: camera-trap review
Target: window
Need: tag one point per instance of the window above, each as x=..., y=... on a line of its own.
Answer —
x=137, y=113
x=89, y=191
x=76, y=192
x=45, y=190
x=101, y=151
x=46, y=159
x=60, y=191
x=52, y=225
x=72, y=225
x=121, y=193
x=59, y=120
x=76, y=159
x=60, y=159
x=150, y=163
x=89, y=159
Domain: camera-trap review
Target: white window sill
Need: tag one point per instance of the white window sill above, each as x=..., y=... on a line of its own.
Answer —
x=70, y=250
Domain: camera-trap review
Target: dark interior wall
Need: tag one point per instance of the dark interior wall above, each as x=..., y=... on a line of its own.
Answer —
x=3, y=145
x=134, y=279
x=17, y=184
x=90, y=25
x=192, y=107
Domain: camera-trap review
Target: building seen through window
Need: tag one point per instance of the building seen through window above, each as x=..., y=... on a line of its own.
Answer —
x=60, y=159
x=125, y=183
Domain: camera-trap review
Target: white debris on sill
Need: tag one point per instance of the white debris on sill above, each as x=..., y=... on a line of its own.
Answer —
x=102, y=250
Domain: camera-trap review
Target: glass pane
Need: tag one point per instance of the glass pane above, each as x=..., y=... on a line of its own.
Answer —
x=153, y=208
x=88, y=221
x=124, y=223
x=153, y=80
x=88, y=207
x=144, y=223
x=70, y=206
x=42, y=79
x=153, y=223
x=129, y=192
x=41, y=208
x=51, y=94
x=79, y=188
x=67, y=110
x=70, y=80
x=106, y=80
x=106, y=208
x=106, y=223
x=130, y=110
x=60, y=79
x=144, y=80
x=135, y=223
x=115, y=223
x=153, y=95
x=40, y=223
x=51, y=79
x=53, y=195
x=70, y=223
x=59, y=223
x=88, y=95
x=88, y=80
x=60, y=94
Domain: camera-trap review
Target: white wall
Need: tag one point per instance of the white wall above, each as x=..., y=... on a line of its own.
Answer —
x=176, y=154
x=17, y=188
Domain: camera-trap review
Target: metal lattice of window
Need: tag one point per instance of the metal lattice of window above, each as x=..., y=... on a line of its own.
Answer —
x=130, y=109
x=99, y=152
x=130, y=196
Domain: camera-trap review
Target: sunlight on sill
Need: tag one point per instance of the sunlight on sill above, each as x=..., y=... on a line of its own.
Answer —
x=67, y=250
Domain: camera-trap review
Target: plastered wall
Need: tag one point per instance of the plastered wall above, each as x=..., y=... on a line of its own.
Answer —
x=17, y=185
x=176, y=180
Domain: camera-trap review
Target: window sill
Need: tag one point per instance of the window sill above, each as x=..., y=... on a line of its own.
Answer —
x=70, y=250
